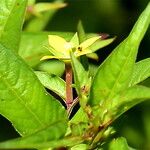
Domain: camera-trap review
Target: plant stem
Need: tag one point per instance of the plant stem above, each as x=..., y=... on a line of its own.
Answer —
x=75, y=101
x=69, y=93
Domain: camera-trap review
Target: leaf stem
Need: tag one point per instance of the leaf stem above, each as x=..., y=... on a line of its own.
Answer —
x=69, y=93
x=75, y=101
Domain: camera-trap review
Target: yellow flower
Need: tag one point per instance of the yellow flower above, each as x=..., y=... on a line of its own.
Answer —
x=60, y=48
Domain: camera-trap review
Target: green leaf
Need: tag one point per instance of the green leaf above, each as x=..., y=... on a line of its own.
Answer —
x=79, y=117
x=31, y=2
x=38, y=141
x=129, y=98
x=80, y=147
x=79, y=123
x=12, y=16
x=81, y=32
x=24, y=101
x=115, y=72
x=32, y=46
x=88, y=42
x=34, y=140
x=42, y=7
x=93, y=69
x=92, y=56
x=82, y=37
x=53, y=83
x=119, y=144
x=80, y=76
x=39, y=23
x=74, y=40
x=141, y=72
x=52, y=66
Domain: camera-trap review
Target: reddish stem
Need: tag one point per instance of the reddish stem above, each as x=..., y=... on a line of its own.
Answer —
x=69, y=94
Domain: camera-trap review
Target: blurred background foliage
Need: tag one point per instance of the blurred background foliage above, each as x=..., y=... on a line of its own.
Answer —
x=115, y=17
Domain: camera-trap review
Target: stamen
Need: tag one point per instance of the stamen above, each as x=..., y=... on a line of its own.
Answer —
x=80, y=49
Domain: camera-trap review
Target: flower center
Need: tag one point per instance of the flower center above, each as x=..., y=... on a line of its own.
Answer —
x=68, y=46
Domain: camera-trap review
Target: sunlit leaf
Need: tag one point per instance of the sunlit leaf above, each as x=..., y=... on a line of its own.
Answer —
x=80, y=147
x=31, y=2
x=81, y=32
x=79, y=117
x=40, y=7
x=79, y=123
x=24, y=101
x=12, y=17
x=75, y=40
x=54, y=67
x=129, y=98
x=80, y=76
x=141, y=71
x=39, y=23
x=119, y=143
x=38, y=141
x=113, y=76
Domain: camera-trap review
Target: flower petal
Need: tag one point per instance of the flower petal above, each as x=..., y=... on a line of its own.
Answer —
x=92, y=56
x=57, y=43
x=55, y=57
x=82, y=52
x=89, y=42
x=101, y=43
x=75, y=40
x=48, y=57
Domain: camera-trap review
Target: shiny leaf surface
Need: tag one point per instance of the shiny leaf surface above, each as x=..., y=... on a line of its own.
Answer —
x=113, y=75
x=141, y=71
x=24, y=101
x=12, y=16
x=52, y=82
